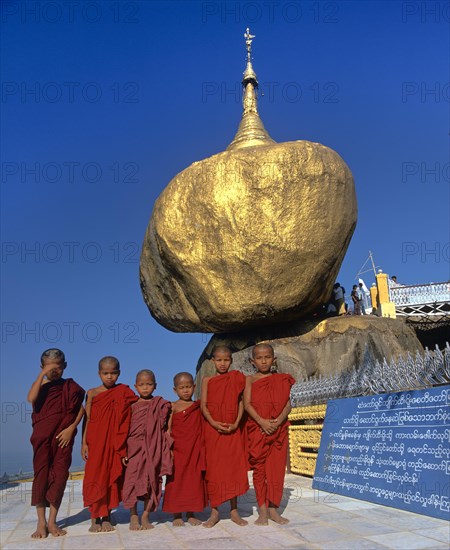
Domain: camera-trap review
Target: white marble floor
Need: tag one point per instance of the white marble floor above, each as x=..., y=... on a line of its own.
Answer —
x=317, y=521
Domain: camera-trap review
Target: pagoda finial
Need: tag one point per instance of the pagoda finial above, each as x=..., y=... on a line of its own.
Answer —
x=251, y=130
x=248, y=41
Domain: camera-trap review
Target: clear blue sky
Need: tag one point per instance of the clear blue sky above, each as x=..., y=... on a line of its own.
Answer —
x=107, y=101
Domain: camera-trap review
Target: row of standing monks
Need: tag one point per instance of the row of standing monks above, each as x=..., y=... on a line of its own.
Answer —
x=200, y=463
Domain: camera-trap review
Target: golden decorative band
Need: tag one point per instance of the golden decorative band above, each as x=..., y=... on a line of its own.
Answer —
x=304, y=439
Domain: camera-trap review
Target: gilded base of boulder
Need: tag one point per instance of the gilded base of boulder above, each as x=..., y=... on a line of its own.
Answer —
x=321, y=346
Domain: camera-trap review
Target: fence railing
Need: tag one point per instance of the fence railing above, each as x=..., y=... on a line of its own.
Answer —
x=420, y=294
x=405, y=373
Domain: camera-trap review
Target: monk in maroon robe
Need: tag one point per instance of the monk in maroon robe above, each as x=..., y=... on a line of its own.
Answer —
x=185, y=489
x=148, y=451
x=267, y=401
x=57, y=410
x=108, y=411
x=226, y=461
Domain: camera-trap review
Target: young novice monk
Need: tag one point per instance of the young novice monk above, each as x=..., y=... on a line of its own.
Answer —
x=185, y=489
x=57, y=411
x=267, y=401
x=226, y=461
x=148, y=451
x=108, y=412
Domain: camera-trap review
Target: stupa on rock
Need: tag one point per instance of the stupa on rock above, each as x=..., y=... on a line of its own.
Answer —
x=248, y=243
x=252, y=236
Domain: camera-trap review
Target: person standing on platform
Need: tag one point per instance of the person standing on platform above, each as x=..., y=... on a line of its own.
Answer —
x=108, y=413
x=356, y=300
x=57, y=411
x=226, y=461
x=339, y=301
x=267, y=402
x=185, y=489
x=148, y=451
x=362, y=298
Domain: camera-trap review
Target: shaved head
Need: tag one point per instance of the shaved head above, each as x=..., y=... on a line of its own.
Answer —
x=263, y=346
x=180, y=376
x=109, y=360
x=221, y=349
x=146, y=372
x=53, y=354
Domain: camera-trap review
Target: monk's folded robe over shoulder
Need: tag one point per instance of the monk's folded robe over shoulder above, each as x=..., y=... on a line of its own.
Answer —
x=185, y=489
x=55, y=409
x=148, y=452
x=268, y=453
x=226, y=461
x=106, y=439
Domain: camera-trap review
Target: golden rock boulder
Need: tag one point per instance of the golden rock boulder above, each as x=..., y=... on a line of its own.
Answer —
x=253, y=235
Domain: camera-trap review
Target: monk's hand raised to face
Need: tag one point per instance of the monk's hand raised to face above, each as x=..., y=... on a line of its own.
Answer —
x=65, y=437
x=46, y=369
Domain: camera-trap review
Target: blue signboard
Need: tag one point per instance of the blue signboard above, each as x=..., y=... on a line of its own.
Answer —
x=392, y=449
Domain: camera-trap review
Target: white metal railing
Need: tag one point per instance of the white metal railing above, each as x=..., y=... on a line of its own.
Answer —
x=420, y=294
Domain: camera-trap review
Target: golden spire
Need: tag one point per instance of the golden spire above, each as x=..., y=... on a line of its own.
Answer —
x=251, y=131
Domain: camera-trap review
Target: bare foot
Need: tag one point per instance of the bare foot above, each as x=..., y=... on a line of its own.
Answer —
x=192, y=520
x=146, y=523
x=56, y=531
x=234, y=516
x=262, y=520
x=134, y=523
x=106, y=526
x=41, y=531
x=213, y=519
x=275, y=516
x=96, y=525
x=178, y=520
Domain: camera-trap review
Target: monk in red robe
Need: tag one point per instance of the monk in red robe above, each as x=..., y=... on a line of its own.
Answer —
x=226, y=461
x=108, y=412
x=148, y=451
x=57, y=411
x=185, y=489
x=267, y=401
